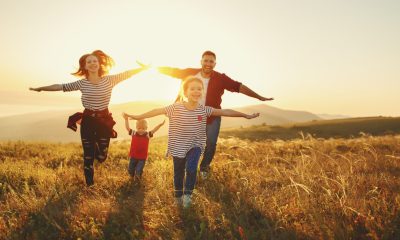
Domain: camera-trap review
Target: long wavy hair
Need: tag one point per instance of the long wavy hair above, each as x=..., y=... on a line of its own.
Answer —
x=105, y=62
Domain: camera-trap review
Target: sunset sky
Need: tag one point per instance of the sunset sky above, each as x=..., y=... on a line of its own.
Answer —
x=336, y=57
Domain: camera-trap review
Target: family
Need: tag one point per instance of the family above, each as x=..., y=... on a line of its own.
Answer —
x=194, y=118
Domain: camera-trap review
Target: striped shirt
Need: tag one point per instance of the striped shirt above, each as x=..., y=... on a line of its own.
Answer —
x=97, y=96
x=187, y=128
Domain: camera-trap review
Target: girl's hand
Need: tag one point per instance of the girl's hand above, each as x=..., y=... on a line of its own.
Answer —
x=125, y=116
x=254, y=115
x=35, y=89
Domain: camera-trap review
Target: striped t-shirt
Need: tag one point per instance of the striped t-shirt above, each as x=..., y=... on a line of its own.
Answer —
x=187, y=128
x=97, y=96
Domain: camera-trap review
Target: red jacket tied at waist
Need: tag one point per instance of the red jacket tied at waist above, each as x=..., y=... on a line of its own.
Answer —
x=102, y=117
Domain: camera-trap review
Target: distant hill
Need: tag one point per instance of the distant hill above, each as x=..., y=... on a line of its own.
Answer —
x=339, y=128
x=332, y=116
x=51, y=125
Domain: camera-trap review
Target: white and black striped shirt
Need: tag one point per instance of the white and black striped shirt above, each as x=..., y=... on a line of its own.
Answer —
x=97, y=96
x=187, y=128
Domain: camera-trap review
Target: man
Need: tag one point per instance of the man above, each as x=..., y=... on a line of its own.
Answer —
x=214, y=85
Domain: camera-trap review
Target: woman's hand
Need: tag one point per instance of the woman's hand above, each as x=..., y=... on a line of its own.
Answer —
x=144, y=66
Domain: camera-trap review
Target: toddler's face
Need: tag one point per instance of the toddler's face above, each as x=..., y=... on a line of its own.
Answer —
x=141, y=126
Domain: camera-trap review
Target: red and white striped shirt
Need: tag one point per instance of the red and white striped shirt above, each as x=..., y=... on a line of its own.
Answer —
x=97, y=96
x=187, y=128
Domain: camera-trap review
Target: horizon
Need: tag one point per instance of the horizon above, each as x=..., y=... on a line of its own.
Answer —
x=51, y=109
x=337, y=58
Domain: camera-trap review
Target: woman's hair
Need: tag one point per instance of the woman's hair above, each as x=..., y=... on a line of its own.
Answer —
x=105, y=63
x=185, y=86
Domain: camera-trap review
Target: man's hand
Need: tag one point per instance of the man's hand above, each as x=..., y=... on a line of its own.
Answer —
x=265, y=99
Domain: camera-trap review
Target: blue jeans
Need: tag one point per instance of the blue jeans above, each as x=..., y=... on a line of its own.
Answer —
x=189, y=162
x=212, y=131
x=136, y=167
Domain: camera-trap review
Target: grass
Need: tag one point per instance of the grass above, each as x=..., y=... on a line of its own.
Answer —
x=339, y=128
x=307, y=188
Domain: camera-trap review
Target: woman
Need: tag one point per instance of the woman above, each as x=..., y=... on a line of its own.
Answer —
x=96, y=87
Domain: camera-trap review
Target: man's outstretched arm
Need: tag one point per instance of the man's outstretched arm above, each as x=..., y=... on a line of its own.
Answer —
x=247, y=91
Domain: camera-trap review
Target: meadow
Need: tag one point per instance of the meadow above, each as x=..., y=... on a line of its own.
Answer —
x=302, y=188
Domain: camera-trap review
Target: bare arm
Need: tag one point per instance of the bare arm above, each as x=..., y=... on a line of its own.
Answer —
x=126, y=122
x=54, y=87
x=149, y=114
x=115, y=79
x=232, y=113
x=157, y=127
x=247, y=91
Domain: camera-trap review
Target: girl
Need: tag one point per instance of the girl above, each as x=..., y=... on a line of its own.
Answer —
x=96, y=121
x=187, y=134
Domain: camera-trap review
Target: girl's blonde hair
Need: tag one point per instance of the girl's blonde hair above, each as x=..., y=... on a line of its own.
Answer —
x=185, y=85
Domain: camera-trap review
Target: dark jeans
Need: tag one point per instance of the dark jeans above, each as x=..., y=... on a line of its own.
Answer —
x=95, y=141
x=212, y=131
x=136, y=167
x=188, y=163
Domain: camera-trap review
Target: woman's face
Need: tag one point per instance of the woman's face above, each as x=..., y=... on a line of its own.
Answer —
x=92, y=64
x=194, y=91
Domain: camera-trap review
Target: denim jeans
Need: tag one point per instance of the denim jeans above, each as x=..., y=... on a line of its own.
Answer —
x=95, y=141
x=212, y=131
x=188, y=163
x=136, y=167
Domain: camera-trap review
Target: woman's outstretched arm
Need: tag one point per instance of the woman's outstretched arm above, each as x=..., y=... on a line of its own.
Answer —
x=117, y=78
x=54, y=87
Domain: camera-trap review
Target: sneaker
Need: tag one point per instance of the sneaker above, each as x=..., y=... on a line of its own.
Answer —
x=203, y=175
x=186, y=200
x=178, y=201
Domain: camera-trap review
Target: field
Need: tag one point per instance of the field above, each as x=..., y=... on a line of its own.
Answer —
x=303, y=188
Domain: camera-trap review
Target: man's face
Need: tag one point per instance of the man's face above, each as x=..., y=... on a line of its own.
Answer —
x=207, y=63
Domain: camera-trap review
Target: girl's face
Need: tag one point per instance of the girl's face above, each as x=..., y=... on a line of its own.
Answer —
x=92, y=64
x=194, y=91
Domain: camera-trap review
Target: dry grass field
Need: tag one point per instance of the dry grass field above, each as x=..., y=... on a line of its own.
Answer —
x=304, y=188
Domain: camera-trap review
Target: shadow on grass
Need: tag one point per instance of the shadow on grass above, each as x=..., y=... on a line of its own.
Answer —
x=51, y=221
x=192, y=225
x=245, y=220
x=125, y=220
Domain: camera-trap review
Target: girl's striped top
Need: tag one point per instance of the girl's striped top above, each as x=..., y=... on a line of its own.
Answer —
x=187, y=128
x=97, y=96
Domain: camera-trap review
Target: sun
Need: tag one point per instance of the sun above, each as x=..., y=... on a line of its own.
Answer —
x=148, y=85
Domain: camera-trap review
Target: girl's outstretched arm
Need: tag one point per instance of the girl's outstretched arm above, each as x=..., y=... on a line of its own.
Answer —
x=149, y=114
x=232, y=113
x=54, y=87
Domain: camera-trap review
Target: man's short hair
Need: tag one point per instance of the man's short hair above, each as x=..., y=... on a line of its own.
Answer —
x=209, y=53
